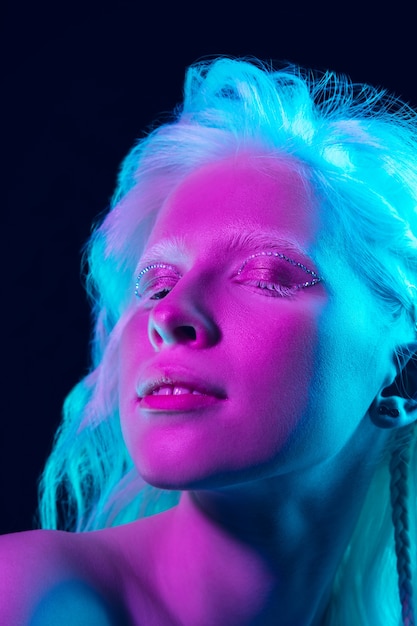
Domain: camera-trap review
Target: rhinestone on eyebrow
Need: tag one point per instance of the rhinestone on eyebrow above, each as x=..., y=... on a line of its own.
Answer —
x=315, y=277
x=147, y=269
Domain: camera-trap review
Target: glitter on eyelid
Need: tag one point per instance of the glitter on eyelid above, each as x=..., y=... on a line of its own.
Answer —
x=315, y=277
x=146, y=269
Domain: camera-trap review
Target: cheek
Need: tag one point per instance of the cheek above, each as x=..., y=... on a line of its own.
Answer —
x=277, y=347
x=350, y=355
x=345, y=380
x=274, y=365
x=134, y=347
x=131, y=355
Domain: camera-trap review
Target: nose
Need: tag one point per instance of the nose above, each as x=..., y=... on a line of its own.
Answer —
x=176, y=319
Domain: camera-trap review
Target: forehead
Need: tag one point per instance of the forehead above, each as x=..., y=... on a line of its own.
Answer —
x=243, y=193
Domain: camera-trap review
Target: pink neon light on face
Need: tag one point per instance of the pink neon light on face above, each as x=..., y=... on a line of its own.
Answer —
x=231, y=315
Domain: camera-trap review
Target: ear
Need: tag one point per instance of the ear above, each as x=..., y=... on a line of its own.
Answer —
x=396, y=403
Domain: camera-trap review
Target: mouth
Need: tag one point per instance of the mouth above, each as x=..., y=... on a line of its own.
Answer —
x=167, y=386
x=174, y=390
x=166, y=395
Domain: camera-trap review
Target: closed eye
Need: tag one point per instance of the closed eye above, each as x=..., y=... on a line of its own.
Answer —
x=269, y=272
x=272, y=289
x=275, y=274
x=155, y=281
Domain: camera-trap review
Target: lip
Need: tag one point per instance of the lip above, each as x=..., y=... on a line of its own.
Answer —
x=205, y=395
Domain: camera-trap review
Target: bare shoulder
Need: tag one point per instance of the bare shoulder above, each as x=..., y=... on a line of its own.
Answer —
x=53, y=577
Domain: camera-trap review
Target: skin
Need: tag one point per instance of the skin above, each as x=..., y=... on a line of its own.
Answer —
x=275, y=457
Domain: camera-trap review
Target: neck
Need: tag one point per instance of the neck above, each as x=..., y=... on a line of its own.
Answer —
x=265, y=552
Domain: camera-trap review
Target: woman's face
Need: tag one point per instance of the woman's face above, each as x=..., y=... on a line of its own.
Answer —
x=230, y=369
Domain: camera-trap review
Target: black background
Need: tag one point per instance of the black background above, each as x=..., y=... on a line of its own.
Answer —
x=79, y=83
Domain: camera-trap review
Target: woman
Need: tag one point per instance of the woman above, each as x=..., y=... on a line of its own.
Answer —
x=253, y=363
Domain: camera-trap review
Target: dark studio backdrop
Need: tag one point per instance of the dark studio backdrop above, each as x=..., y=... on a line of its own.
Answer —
x=79, y=83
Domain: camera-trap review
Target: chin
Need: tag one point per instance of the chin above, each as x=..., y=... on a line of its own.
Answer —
x=176, y=483
x=197, y=480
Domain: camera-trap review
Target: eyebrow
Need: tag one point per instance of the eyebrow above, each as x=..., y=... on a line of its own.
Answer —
x=258, y=240
x=175, y=250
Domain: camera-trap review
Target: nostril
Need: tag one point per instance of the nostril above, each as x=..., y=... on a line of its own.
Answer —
x=168, y=326
x=186, y=332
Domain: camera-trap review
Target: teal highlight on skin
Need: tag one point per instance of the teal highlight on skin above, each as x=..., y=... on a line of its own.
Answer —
x=75, y=603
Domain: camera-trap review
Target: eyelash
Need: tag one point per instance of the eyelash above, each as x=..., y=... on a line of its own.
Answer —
x=273, y=289
x=315, y=277
x=151, y=267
